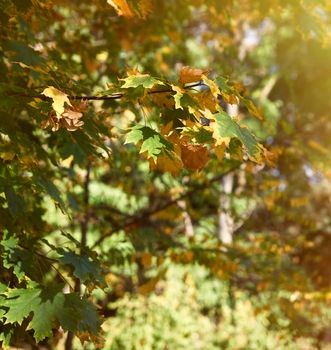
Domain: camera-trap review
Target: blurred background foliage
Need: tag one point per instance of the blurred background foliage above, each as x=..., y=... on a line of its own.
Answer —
x=146, y=247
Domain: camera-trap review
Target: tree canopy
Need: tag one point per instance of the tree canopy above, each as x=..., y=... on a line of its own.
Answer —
x=165, y=174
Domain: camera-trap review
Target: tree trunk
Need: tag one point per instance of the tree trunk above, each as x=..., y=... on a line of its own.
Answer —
x=225, y=219
x=189, y=230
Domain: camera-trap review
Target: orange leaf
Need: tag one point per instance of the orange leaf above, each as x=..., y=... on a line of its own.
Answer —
x=191, y=75
x=194, y=157
x=146, y=7
x=121, y=7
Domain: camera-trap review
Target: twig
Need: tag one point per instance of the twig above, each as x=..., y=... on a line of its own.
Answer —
x=114, y=96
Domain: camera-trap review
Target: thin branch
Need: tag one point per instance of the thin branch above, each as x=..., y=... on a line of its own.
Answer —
x=114, y=96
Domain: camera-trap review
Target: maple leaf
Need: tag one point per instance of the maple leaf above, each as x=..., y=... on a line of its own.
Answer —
x=194, y=157
x=168, y=161
x=184, y=99
x=219, y=151
x=49, y=305
x=225, y=128
x=152, y=141
x=84, y=268
x=44, y=305
x=59, y=99
x=198, y=134
x=190, y=75
x=252, y=109
x=122, y=7
x=163, y=100
x=69, y=119
x=144, y=80
x=145, y=7
x=178, y=95
x=214, y=89
x=229, y=93
x=172, y=164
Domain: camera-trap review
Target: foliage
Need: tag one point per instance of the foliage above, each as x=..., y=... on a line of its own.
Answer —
x=132, y=135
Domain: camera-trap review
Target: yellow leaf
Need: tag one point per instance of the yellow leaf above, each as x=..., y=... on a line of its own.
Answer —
x=219, y=151
x=35, y=102
x=150, y=285
x=230, y=99
x=66, y=163
x=9, y=155
x=59, y=99
x=207, y=101
x=317, y=146
x=191, y=75
x=163, y=100
x=121, y=7
x=252, y=109
x=146, y=259
x=166, y=164
x=214, y=89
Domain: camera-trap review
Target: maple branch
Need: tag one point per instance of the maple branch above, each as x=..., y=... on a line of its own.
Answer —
x=114, y=96
x=148, y=213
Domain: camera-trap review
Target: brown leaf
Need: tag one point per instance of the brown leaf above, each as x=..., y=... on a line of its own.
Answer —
x=191, y=75
x=70, y=114
x=69, y=119
x=194, y=157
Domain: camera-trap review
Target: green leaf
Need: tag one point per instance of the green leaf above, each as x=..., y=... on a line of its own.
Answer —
x=24, y=53
x=198, y=134
x=223, y=85
x=3, y=288
x=225, y=128
x=20, y=303
x=49, y=187
x=23, y=261
x=48, y=306
x=84, y=268
x=6, y=333
x=16, y=203
x=87, y=319
x=11, y=256
x=152, y=141
x=46, y=312
x=144, y=80
x=183, y=99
